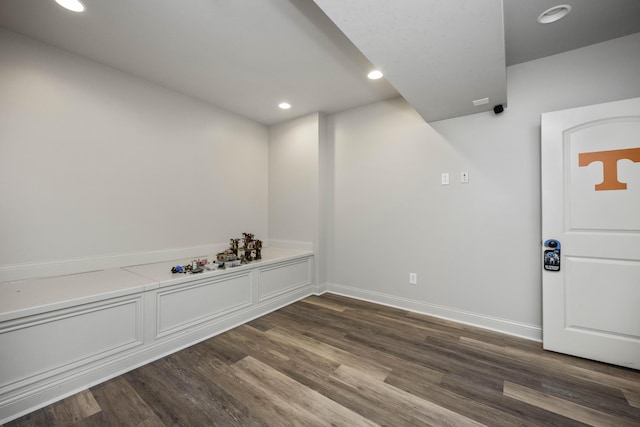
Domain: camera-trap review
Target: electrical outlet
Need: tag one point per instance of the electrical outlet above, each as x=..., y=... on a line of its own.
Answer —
x=413, y=278
x=464, y=177
x=445, y=178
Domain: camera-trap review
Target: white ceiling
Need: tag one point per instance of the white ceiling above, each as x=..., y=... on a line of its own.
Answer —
x=248, y=55
x=590, y=22
x=440, y=55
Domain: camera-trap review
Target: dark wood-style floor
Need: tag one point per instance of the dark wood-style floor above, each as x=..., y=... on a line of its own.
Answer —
x=332, y=360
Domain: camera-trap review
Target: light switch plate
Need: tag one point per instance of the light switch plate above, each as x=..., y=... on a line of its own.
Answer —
x=413, y=278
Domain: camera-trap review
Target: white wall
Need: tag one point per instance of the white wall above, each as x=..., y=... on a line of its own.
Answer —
x=293, y=182
x=476, y=246
x=299, y=177
x=96, y=164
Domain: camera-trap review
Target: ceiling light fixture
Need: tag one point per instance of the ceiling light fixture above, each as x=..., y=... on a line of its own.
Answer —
x=284, y=105
x=72, y=5
x=554, y=14
x=375, y=75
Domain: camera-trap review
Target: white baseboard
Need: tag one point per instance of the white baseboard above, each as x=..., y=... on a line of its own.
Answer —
x=291, y=244
x=320, y=288
x=80, y=265
x=522, y=330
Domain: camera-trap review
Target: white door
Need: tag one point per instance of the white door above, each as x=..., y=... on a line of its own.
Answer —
x=591, y=206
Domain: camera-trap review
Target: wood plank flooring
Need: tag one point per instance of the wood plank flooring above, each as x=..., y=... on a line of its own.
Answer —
x=335, y=361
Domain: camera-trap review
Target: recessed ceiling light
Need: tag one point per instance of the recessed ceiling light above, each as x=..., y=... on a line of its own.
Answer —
x=284, y=105
x=72, y=5
x=375, y=75
x=554, y=14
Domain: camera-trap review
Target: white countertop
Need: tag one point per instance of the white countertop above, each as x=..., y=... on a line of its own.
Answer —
x=33, y=296
x=26, y=297
x=162, y=275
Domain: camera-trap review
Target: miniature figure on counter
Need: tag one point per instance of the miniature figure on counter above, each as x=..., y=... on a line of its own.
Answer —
x=241, y=251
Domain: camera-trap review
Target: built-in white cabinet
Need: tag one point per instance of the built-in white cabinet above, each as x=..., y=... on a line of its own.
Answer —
x=63, y=334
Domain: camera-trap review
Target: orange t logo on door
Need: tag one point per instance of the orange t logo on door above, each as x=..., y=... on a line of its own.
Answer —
x=609, y=161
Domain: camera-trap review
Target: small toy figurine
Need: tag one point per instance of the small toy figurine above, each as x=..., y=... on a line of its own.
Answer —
x=178, y=269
